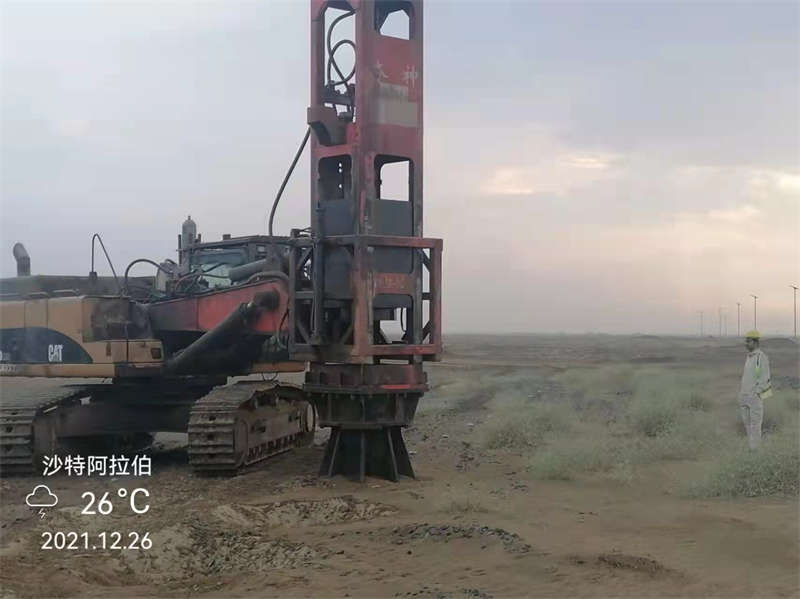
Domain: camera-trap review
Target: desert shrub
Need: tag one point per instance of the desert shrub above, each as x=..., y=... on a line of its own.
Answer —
x=699, y=402
x=550, y=418
x=502, y=386
x=665, y=447
x=773, y=469
x=650, y=398
x=600, y=393
x=510, y=434
x=566, y=458
x=653, y=416
x=592, y=381
x=781, y=411
x=691, y=434
x=609, y=450
x=662, y=399
x=527, y=426
x=464, y=505
x=553, y=465
x=517, y=383
x=448, y=388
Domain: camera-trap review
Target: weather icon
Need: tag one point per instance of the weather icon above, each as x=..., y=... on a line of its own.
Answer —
x=41, y=496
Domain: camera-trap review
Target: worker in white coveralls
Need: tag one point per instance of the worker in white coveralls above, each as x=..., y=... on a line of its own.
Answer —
x=756, y=388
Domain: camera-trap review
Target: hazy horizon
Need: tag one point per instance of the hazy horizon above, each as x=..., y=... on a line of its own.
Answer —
x=608, y=168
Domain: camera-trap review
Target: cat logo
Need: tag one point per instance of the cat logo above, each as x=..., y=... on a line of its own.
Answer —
x=54, y=353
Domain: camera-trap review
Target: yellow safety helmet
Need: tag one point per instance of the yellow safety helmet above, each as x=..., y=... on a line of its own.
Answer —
x=752, y=335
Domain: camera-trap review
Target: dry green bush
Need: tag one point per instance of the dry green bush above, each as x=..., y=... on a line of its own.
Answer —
x=773, y=469
x=527, y=425
x=615, y=452
x=518, y=383
x=667, y=415
x=594, y=380
x=692, y=435
x=653, y=417
x=699, y=402
x=496, y=384
x=662, y=401
x=510, y=434
x=566, y=462
x=464, y=505
x=619, y=456
x=553, y=465
x=781, y=411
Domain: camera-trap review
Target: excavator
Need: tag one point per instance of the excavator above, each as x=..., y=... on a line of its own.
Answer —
x=155, y=354
x=113, y=359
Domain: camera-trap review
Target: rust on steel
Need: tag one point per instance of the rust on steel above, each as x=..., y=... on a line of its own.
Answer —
x=366, y=259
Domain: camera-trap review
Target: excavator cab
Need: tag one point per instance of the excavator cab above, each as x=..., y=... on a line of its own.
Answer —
x=214, y=266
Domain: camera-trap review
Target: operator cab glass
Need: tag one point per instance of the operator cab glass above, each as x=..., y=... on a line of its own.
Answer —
x=213, y=265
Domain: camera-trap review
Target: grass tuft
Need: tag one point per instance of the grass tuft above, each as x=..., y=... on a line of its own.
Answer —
x=661, y=402
x=773, y=469
x=781, y=411
x=564, y=463
x=528, y=426
x=699, y=402
x=616, y=454
x=552, y=465
x=653, y=418
x=619, y=420
x=464, y=506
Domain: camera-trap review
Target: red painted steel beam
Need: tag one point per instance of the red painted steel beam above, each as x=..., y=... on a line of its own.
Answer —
x=204, y=312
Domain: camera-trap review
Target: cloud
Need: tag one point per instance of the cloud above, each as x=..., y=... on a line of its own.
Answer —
x=739, y=214
x=789, y=182
x=558, y=175
x=510, y=181
x=593, y=162
x=542, y=163
x=765, y=184
x=642, y=250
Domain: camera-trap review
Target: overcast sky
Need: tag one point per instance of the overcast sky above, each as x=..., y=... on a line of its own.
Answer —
x=591, y=166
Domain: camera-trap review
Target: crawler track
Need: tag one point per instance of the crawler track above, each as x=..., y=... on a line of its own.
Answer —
x=238, y=425
x=26, y=431
x=230, y=427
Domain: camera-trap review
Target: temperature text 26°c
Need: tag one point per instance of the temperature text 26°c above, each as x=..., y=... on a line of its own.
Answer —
x=137, y=500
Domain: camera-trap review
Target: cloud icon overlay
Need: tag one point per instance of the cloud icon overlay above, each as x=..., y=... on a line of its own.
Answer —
x=45, y=498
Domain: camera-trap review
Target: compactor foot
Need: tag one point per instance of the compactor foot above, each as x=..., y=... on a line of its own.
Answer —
x=357, y=454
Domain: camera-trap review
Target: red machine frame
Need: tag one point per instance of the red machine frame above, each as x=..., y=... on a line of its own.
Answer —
x=375, y=121
x=364, y=257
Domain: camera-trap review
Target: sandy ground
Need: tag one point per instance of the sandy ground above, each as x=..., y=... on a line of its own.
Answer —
x=281, y=531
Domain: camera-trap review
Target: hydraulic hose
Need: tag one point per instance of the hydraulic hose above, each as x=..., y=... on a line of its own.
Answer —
x=111, y=264
x=137, y=261
x=332, y=52
x=286, y=180
x=343, y=80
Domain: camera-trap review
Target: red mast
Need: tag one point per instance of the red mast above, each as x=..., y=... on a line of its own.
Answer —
x=365, y=261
